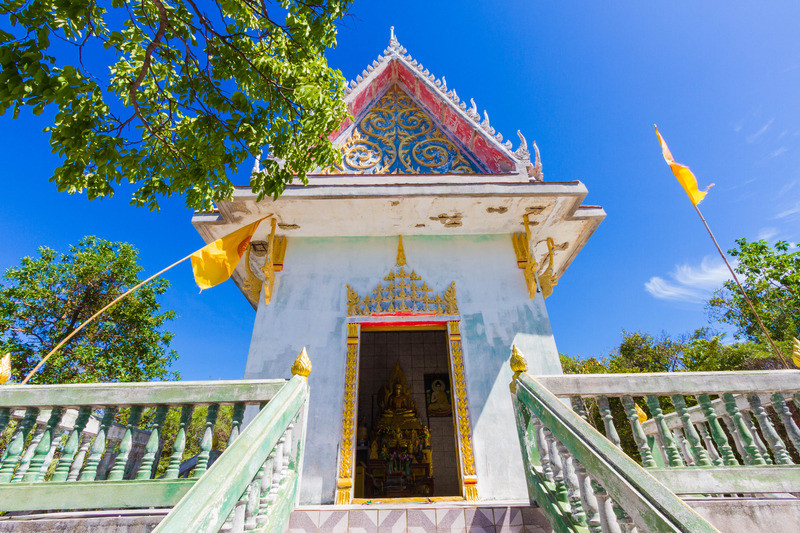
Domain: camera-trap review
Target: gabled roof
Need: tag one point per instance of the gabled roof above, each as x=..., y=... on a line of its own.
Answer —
x=460, y=128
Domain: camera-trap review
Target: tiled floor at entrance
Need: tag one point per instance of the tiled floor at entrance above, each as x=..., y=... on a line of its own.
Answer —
x=485, y=517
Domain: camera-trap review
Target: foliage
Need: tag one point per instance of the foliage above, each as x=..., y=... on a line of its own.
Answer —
x=194, y=433
x=47, y=297
x=702, y=351
x=172, y=96
x=771, y=278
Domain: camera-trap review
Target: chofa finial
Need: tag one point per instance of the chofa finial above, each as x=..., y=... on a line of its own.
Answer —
x=302, y=365
x=391, y=33
x=522, y=152
x=538, y=175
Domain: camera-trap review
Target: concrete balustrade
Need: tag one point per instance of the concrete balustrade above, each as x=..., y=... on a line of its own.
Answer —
x=99, y=446
x=722, y=441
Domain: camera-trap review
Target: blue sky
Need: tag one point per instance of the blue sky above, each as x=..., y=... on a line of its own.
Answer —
x=587, y=82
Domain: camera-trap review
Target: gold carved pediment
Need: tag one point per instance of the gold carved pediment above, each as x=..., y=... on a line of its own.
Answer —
x=402, y=290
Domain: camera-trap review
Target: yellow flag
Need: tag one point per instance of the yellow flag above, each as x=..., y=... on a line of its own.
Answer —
x=5, y=368
x=214, y=263
x=795, y=353
x=684, y=175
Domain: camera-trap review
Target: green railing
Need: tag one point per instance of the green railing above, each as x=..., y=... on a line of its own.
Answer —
x=114, y=446
x=580, y=479
x=705, y=435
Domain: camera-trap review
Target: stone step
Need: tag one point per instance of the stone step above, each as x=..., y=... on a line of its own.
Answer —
x=413, y=517
x=109, y=521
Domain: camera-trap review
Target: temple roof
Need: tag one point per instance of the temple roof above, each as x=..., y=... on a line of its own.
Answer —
x=407, y=121
x=418, y=161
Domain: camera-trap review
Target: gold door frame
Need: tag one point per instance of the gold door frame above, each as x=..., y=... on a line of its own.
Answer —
x=462, y=421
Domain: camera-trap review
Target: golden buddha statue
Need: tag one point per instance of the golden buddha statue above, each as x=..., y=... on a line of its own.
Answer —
x=397, y=409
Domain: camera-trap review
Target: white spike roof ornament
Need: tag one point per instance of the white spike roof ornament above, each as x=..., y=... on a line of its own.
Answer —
x=439, y=86
x=537, y=166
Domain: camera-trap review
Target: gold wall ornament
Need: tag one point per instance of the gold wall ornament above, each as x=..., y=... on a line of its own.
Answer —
x=5, y=368
x=252, y=285
x=401, y=254
x=548, y=279
x=396, y=136
x=523, y=250
x=404, y=291
x=302, y=365
x=518, y=365
x=269, y=268
x=463, y=424
x=520, y=243
x=273, y=262
x=344, y=485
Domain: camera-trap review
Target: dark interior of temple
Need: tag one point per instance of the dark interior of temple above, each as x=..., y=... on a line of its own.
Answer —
x=406, y=445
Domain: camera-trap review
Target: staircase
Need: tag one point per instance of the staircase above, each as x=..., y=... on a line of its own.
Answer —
x=717, y=451
x=434, y=517
x=714, y=452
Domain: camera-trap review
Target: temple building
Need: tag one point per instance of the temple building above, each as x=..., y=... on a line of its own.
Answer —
x=429, y=395
x=408, y=272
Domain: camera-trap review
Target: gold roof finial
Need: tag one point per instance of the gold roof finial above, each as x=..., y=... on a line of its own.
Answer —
x=5, y=368
x=401, y=255
x=302, y=365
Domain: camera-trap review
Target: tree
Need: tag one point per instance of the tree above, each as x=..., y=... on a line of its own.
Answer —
x=771, y=278
x=702, y=351
x=190, y=94
x=47, y=297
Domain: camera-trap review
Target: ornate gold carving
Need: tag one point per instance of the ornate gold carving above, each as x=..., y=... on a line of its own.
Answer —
x=302, y=365
x=526, y=261
x=352, y=301
x=269, y=269
x=463, y=429
x=548, y=279
x=451, y=303
x=344, y=491
x=401, y=254
x=273, y=262
x=251, y=283
x=404, y=292
x=397, y=137
x=520, y=249
x=518, y=365
x=280, y=252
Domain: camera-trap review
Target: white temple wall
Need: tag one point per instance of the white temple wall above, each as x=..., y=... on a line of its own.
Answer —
x=309, y=307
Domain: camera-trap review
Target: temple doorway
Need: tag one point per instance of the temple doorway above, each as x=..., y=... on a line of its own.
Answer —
x=406, y=442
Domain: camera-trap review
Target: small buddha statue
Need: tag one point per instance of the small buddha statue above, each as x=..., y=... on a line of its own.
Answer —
x=399, y=410
x=373, y=451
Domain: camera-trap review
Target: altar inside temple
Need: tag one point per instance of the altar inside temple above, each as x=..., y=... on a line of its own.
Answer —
x=406, y=445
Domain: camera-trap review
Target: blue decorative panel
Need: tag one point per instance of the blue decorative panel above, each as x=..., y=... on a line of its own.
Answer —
x=397, y=137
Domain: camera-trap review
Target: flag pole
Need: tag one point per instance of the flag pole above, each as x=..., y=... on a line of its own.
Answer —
x=746, y=298
x=231, y=264
x=100, y=312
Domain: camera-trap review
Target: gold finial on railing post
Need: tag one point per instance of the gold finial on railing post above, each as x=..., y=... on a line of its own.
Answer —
x=518, y=364
x=5, y=368
x=302, y=365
